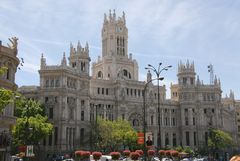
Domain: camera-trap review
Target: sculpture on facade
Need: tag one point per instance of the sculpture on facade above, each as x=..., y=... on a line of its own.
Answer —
x=14, y=43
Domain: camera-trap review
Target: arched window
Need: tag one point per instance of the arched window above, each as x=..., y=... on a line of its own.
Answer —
x=135, y=122
x=99, y=75
x=125, y=72
x=8, y=74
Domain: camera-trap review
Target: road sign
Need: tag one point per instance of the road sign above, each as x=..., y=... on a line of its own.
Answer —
x=29, y=152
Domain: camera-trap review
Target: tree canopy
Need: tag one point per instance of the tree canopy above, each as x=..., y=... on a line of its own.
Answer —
x=219, y=139
x=32, y=124
x=115, y=134
x=6, y=96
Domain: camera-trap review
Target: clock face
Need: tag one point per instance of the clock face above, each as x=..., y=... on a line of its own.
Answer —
x=119, y=29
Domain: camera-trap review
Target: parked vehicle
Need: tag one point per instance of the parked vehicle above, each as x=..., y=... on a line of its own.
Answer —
x=15, y=158
x=103, y=158
x=70, y=159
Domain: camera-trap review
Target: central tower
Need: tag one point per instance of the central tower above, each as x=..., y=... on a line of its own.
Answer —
x=115, y=62
x=114, y=36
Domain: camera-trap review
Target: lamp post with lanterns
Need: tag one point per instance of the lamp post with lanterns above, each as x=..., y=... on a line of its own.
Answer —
x=158, y=71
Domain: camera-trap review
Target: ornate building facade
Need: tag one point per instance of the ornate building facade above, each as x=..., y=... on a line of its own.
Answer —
x=73, y=98
x=8, y=58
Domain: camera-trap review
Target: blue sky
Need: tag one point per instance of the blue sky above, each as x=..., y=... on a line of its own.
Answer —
x=165, y=31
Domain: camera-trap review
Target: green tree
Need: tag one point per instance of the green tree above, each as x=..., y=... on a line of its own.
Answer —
x=219, y=139
x=27, y=108
x=31, y=130
x=116, y=134
x=6, y=96
x=32, y=124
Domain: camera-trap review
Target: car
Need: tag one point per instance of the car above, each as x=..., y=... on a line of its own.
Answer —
x=186, y=159
x=15, y=158
x=166, y=159
x=156, y=159
x=201, y=159
x=103, y=158
x=70, y=159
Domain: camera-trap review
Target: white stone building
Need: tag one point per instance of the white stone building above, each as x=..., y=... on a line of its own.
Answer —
x=9, y=59
x=73, y=97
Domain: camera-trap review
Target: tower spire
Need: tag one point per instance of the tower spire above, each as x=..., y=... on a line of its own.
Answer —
x=79, y=47
x=110, y=15
x=64, y=61
x=210, y=70
x=123, y=17
x=43, y=61
x=114, y=15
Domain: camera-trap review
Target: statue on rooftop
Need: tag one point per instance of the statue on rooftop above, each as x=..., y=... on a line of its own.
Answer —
x=14, y=43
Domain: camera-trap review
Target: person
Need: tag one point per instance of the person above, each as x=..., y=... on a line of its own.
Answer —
x=149, y=141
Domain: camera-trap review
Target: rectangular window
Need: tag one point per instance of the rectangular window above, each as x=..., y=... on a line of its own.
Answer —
x=166, y=122
x=56, y=136
x=50, y=113
x=67, y=135
x=82, y=115
x=57, y=83
x=186, y=121
x=173, y=122
x=127, y=91
x=152, y=120
x=81, y=135
x=206, y=138
x=195, y=138
x=187, y=139
x=205, y=110
x=213, y=110
x=102, y=90
x=52, y=83
x=98, y=90
x=193, y=120
x=106, y=91
x=47, y=83
x=174, y=140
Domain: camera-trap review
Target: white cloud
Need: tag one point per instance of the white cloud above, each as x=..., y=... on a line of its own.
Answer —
x=31, y=68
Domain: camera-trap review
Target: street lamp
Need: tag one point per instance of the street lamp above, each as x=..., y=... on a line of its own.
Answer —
x=144, y=114
x=158, y=71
